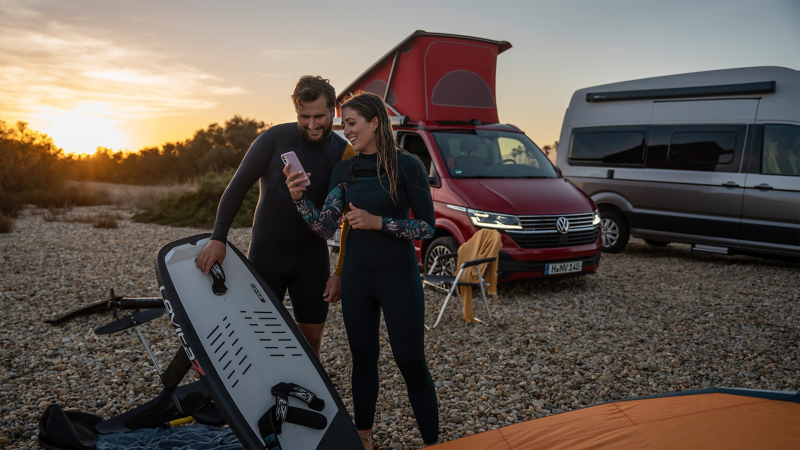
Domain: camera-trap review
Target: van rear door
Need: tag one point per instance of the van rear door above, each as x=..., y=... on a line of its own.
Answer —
x=693, y=182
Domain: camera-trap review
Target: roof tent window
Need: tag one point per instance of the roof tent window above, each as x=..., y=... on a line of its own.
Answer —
x=702, y=151
x=464, y=89
x=378, y=87
x=608, y=146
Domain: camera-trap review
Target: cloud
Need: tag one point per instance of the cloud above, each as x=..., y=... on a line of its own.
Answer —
x=46, y=66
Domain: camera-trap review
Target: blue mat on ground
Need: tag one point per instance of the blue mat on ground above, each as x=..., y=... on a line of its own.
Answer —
x=195, y=437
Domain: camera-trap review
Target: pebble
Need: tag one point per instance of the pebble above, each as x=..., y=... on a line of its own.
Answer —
x=651, y=321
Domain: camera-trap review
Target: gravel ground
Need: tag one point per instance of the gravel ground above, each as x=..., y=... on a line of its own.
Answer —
x=652, y=320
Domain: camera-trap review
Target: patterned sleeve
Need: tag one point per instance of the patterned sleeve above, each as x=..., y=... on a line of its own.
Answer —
x=415, y=180
x=407, y=228
x=324, y=222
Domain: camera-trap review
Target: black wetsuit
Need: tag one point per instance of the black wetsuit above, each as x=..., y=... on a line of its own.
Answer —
x=284, y=251
x=381, y=273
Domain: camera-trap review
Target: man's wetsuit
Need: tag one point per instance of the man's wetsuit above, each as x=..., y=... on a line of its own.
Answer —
x=282, y=248
x=381, y=272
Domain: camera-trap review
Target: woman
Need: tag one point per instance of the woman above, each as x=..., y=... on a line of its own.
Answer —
x=379, y=186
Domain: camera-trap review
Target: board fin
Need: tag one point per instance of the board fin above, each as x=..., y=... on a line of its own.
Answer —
x=130, y=320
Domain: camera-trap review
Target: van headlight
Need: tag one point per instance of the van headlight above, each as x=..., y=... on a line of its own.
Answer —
x=596, y=219
x=493, y=220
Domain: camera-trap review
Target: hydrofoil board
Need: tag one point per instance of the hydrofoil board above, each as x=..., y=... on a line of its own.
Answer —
x=243, y=343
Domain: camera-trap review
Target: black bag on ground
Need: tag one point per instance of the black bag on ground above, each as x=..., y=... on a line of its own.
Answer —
x=67, y=430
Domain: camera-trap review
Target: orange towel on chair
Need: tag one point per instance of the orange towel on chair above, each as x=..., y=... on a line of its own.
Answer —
x=485, y=244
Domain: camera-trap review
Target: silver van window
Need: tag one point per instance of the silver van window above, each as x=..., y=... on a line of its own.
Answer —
x=608, y=146
x=701, y=150
x=781, y=150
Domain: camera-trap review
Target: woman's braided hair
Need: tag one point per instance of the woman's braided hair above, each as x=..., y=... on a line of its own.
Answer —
x=369, y=106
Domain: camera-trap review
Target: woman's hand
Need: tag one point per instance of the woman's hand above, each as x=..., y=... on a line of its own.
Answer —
x=362, y=220
x=292, y=180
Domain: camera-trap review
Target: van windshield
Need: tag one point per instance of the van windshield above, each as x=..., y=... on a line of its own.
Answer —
x=492, y=154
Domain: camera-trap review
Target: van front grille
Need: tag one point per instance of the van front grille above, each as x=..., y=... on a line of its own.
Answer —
x=548, y=223
x=541, y=232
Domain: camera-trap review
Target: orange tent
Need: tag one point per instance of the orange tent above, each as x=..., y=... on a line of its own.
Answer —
x=716, y=418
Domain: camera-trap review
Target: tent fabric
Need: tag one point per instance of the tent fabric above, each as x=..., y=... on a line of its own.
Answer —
x=437, y=77
x=686, y=422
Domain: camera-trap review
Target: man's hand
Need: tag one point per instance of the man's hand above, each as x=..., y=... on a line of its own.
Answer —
x=333, y=289
x=214, y=251
x=362, y=220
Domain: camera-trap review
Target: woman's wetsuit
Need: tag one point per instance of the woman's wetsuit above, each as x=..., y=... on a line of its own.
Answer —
x=381, y=272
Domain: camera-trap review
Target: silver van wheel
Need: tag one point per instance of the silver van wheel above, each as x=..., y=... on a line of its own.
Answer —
x=610, y=233
x=615, y=231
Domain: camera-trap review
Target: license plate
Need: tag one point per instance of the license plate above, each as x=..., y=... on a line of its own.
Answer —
x=557, y=269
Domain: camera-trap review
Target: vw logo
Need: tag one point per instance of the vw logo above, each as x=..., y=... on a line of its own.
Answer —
x=562, y=225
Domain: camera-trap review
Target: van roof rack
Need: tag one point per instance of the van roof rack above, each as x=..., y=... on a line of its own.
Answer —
x=763, y=87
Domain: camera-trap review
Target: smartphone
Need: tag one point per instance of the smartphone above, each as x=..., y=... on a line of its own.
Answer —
x=290, y=159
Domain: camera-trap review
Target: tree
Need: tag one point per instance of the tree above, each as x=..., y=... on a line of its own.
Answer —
x=28, y=159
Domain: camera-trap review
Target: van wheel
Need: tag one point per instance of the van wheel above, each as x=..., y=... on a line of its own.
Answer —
x=656, y=243
x=615, y=232
x=442, y=246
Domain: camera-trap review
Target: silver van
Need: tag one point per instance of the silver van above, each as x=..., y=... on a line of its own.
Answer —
x=709, y=158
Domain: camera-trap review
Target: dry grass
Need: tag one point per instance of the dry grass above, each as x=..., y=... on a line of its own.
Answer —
x=106, y=220
x=6, y=223
x=133, y=197
x=103, y=219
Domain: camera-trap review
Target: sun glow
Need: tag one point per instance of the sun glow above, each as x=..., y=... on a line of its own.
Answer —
x=82, y=130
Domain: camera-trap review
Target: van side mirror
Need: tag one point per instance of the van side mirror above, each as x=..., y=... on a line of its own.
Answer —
x=433, y=177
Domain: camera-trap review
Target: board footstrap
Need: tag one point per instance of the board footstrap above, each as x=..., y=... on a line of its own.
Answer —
x=270, y=424
x=284, y=390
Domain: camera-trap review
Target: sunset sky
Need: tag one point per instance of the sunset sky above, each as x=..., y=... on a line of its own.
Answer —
x=132, y=74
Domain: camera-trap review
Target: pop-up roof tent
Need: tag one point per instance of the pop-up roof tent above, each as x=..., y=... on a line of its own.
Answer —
x=714, y=418
x=437, y=77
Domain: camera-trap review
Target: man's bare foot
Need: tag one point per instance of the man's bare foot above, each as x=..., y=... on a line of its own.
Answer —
x=366, y=438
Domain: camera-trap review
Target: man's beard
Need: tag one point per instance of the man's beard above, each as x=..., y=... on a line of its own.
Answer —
x=326, y=131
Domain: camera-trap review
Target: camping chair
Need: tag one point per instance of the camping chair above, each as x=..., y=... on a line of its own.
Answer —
x=449, y=284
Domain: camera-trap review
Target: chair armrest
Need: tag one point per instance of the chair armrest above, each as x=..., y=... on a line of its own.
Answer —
x=445, y=256
x=477, y=262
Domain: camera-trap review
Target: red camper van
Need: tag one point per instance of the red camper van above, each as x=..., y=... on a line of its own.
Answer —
x=440, y=93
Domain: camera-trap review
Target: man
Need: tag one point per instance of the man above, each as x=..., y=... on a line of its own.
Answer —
x=286, y=253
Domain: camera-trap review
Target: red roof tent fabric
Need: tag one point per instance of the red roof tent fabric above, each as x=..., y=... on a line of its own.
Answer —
x=437, y=77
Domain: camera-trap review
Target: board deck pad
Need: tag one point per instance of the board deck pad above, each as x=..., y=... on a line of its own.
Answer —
x=243, y=343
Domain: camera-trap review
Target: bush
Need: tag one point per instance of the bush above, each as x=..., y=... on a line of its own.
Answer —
x=198, y=208
x=10, y=205
x=6, y=224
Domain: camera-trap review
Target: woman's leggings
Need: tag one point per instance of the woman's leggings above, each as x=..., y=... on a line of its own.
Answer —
x=397, y=290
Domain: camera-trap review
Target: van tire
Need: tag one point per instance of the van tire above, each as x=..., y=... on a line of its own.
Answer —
x=441, y=246
x=615, y=232
x=656, y=243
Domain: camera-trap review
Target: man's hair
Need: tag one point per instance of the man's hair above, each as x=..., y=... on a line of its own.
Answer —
x=310, y=88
